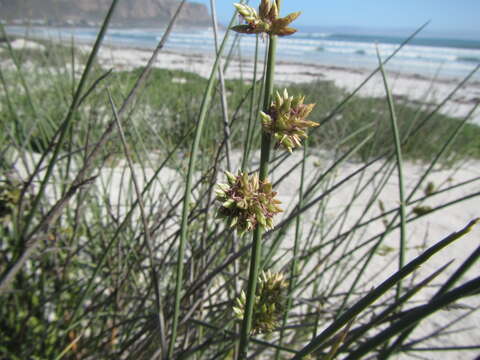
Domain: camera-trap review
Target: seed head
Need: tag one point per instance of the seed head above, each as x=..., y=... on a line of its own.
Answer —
x=429, y=189
x=247, y=202
x=267, y=19
x=422, y=210
x=286, y=120
x=269, y=302
x=9, y=198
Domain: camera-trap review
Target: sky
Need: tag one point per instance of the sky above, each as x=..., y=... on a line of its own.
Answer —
x=456, y=16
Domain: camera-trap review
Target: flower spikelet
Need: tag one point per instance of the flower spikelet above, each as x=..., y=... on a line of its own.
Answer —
x=286, y=120
x=9, y=198
x=267, y=19
x=269, y=304
x=247, y=202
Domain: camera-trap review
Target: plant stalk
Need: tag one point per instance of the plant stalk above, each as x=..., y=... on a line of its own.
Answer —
x=399, y=158
x=256, y=254
x=294, y=264
x=188, y=189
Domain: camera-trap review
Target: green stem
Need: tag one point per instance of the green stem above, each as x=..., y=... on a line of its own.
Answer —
x=401, y=187
x=20, y=72
x=8, y=275
x=294, y=265
x=250, y=127
x=258, y=233
x=188, y=189
x=415, y=315
x=69, y=117
x=445, y=287
x=380, y=290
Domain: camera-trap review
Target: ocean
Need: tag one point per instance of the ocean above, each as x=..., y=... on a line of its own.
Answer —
x=443, y=56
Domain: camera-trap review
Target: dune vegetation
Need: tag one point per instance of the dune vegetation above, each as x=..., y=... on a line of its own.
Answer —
x=157, y=214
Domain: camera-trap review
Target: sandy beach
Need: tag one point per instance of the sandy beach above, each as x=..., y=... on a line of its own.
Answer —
x=404, y=86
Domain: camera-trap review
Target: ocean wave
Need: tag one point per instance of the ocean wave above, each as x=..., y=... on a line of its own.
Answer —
x=320, y=35
x=132, y=37
x=407, y=52
x=314, y=46
x=469, y=59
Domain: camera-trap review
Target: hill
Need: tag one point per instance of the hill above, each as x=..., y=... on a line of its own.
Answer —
x=87, y=12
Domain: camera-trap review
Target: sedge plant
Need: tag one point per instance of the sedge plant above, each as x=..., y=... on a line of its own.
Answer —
x=283, y=120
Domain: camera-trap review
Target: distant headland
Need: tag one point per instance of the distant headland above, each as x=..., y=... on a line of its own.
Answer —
x=138, y=13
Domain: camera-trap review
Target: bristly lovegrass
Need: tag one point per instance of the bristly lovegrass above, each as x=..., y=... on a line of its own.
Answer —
x=121, y=238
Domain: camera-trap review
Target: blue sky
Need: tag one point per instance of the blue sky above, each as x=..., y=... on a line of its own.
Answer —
x=458, y=16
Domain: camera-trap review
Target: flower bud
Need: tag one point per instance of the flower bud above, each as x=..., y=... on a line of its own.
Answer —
x=286, y=120
x=267, y=20
x=247, y=202
x=269, y=302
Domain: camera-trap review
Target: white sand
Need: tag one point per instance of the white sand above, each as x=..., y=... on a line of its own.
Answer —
x=20, y=44
x=427, y=91
x=421, y=233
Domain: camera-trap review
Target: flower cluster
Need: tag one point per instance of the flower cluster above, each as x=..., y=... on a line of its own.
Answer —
x=9, y=198
x=266, y=20
x=286, y=120
x=247, y=202
x=269, y=303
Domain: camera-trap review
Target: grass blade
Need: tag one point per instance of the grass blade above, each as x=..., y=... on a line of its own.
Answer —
x=188, y=189
x=382, y=289
x=415, y=315
x=401, y=187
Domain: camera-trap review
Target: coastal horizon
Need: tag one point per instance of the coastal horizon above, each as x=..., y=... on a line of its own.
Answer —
x=335, y=46
x=192, y=49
